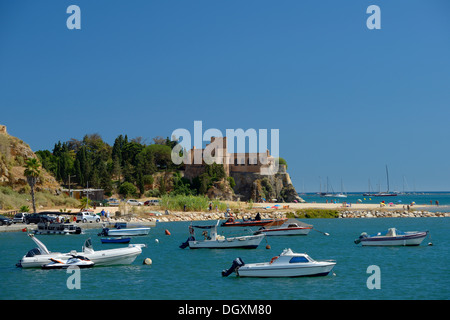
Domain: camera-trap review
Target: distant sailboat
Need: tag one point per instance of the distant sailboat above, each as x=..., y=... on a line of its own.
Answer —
x=342, y=194
x=382, y=194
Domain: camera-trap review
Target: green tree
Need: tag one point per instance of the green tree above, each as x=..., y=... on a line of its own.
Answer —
x=32, y=172
x=127, y=189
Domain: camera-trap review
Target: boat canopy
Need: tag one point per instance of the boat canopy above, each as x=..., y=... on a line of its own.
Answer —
x=291, y=221
x=391, y=232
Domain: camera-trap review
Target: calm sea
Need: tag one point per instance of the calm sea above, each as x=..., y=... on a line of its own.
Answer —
x=177, y=274
x=419, y=199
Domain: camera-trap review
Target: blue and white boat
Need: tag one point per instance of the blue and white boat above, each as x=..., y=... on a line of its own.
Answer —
x=392, y=237
x=287, y=264
x=115, y=240
x=212, y=240
x=121, y=229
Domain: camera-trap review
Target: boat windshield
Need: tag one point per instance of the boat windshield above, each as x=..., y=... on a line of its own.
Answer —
x=299, y=259
x=33, y=252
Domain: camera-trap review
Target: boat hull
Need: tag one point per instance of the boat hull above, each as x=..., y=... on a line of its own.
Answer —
x=253, y=223
x=39, y=261
x=114, y=256
x=115, y=240
x=413, y=239
x=285, y=231
x=266, y=270
x=99, y=258
x=244, y=242
x=128, y=232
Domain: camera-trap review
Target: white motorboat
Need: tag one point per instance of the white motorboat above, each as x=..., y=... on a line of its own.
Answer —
x=291, y=227
x=125, y=255
x=37, y=257
x=121, y=230
x=75, y=261
x=287, y=264
x=392, y=237
x=40, y=256
x=215, y=241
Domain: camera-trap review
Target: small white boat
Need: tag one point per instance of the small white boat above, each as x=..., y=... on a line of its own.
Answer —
x=215, y=241
x=287, y=264
x=40, y=256
x=392, y=237
x=292, y=227
x=75, y=261
x=121, y=230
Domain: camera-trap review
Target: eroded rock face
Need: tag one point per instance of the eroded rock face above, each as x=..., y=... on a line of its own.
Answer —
x=256, y=187
x=13, y=154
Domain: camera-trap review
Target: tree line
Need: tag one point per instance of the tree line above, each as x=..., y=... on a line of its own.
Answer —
x=128, y=167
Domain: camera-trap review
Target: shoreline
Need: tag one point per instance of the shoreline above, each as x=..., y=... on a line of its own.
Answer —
x=153, y=215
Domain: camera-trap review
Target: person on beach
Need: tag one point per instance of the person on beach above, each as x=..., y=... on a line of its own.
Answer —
x=437, y=203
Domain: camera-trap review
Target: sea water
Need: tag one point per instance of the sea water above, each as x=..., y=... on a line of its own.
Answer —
x=420, y=272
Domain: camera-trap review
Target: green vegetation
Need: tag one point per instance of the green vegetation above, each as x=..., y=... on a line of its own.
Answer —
x=92, y=161
x=13, y=200
x=193, y=203
x=130, y=168
x=314, y=213
x=282, y=161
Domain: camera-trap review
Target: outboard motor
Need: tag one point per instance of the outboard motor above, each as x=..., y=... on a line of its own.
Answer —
x=362, y=236
x=104, y=232
x=237, y=263
x=186, y=243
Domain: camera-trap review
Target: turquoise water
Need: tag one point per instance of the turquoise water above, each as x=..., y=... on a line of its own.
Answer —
x=400, y=200
x=405, y=272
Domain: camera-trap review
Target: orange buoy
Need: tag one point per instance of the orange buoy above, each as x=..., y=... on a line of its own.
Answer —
x=167, y=232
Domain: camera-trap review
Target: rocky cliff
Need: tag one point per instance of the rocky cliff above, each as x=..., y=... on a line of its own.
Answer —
x=257, y=187
x=13, y=154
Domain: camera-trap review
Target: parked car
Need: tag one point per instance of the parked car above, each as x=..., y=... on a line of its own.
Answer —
x=5, y=220
x=19, y=217
x=85, y=216
x=151, y=202
x=133, y=202
x=37, y=217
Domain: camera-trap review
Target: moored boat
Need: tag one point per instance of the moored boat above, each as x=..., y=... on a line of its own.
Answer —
x=57, y=228
x=291, y=227
x=121, y=229
x=214, y=241
x=115, y=240
x=257, y=221
x=392, y=237
x=287, y=264
x=40, y=256
x=74, y=261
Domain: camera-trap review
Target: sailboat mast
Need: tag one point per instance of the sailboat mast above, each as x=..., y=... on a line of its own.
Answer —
x=387, y=177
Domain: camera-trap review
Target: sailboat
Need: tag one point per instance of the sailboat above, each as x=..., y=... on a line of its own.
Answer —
x=342, y=194
x=383, y=194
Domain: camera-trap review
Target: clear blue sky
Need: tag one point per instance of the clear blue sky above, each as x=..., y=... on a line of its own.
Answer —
x=347, y=100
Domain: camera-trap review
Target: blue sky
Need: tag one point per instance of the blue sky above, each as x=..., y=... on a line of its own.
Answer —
x=347, y=100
